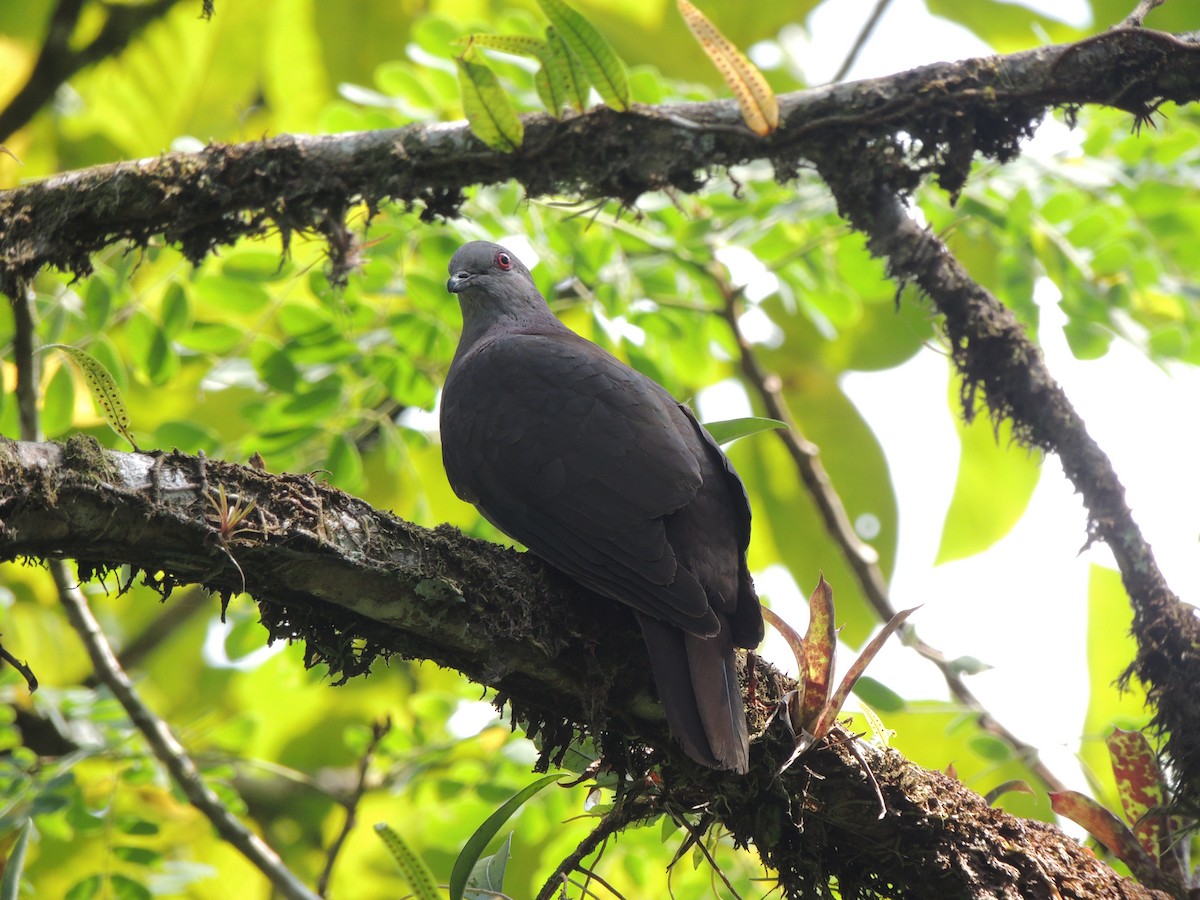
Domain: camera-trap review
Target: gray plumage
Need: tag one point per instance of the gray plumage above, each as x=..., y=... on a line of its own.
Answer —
x=599, y=471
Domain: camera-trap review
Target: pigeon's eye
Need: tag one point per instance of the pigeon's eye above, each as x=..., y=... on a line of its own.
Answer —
x=504, y=261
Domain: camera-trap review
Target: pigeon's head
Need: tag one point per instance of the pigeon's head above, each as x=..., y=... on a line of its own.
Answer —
x=482, y=266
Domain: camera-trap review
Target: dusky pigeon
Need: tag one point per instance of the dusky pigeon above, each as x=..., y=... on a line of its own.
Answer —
x=600, y=472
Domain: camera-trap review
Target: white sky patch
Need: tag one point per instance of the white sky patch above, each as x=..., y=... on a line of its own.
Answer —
x=766, y=55
x=758, y=328
x=215, y=655
x=470, y=718
x=619, y=328
x=724, y=400
x=426, y=420
x=748, y=271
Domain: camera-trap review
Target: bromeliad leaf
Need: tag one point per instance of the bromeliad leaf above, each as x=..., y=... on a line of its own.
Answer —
x=796, y=643
x=603, y=67
x=465, y=864
x=490, y=114
x=412, y=867
x=1140, y=786
x=1107, y=829
x=820, y=645
x=834, y=707
x=760, y=109
x=105, y=393
x=728, y=430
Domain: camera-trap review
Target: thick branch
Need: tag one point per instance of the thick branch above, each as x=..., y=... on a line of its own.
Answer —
x=993, y=352
x=319, y=559
x=945, y=112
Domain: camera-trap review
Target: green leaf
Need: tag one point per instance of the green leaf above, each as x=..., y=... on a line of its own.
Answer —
x=517, y=44
x=84, y=890
x=176, y=312
x=58, y=403
x=104, y=391
x=124, y=888
x=97, y=303
x=726, y=431
x=465, y=864
x=490, y=114
x=566, y=78
x=230, y=294
x=344, y=463
x=996, y=479
x=211, y=337
x=604, y=68
x=10, y=884
x=487, y=878
x=412, y=867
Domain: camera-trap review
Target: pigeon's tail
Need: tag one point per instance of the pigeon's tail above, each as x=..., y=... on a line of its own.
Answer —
x=697, y=683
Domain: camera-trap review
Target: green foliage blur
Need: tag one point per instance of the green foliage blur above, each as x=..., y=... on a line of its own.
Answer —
x=254, y=352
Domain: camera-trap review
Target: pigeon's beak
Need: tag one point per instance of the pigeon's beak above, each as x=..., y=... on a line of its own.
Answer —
x=458, y=282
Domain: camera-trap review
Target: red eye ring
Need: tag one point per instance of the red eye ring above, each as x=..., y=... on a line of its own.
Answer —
x=504, y=261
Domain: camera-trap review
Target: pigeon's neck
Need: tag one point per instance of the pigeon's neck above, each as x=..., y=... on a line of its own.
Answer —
x=485, y=319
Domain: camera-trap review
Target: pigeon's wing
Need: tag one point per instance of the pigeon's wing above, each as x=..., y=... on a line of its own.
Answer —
x=580, y=458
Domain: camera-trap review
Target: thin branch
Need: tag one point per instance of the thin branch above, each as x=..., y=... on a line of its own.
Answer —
x=24, y=347
x=1138, y=16
x=156, y=732
x=860, y=556
x=616, y=819
x=165, y=746
x=863, y=35
x=31, y=681
x=379, y=731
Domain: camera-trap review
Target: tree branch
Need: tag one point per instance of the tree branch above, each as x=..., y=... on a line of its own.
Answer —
x=928, y=121
x=166, y=747
x=993, y=353
x=356, y=582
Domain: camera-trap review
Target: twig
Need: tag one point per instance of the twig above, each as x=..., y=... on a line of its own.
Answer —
x=24, y=338
x=616, y=819
x=594, y=876
x=378, y=731
x=863, y=35
x=1135, y=18
x=860, y=556
x=156, y=732
x=22, y=667
x=698, y=840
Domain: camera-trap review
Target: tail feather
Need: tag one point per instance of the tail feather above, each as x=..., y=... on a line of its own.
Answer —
x=697, y=684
